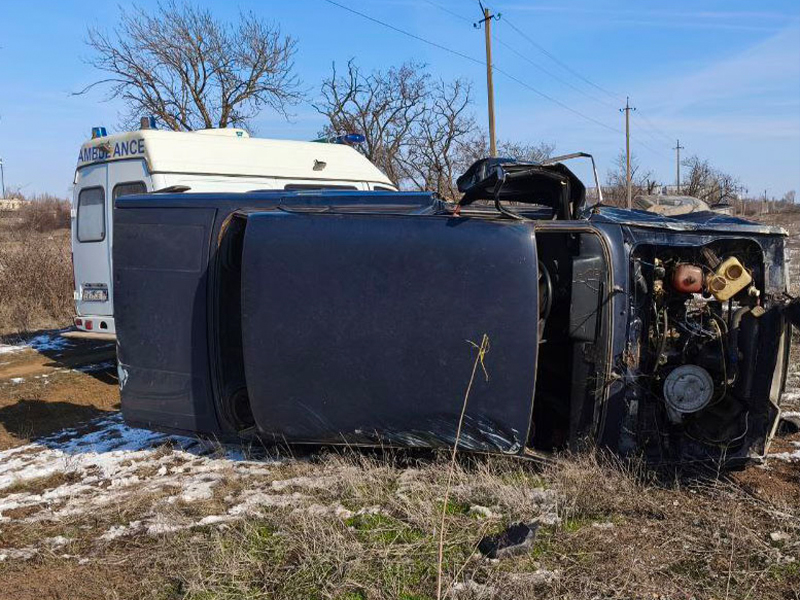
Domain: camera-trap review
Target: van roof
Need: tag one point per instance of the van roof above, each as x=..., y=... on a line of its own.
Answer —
x=231, y=152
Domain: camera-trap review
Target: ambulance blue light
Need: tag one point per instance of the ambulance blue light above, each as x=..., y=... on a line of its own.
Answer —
x=98, y=132
x=352, y=138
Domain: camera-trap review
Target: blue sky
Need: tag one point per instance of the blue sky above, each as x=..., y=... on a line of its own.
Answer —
x=721, y=75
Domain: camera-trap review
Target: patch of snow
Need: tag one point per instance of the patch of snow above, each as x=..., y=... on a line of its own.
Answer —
x=40, y=343
x=321, y=510
x=92, y=368
x=57, y=541
x=779, y=536
x=537, y=577
x=473, y=590
x=788, y=456
x=111, y=457
x=18, y=553
x=481, y=512
x=117, y=531
x=17, y=380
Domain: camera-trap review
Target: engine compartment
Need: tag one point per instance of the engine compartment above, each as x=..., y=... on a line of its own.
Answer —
x=699, y=320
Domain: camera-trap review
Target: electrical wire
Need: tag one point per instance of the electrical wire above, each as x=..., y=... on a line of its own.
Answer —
x=566, y=67
x=655, y=128
x=475, y=61
x=551, y=74
x=524, y=57
x=407, y=33
x=563, y=65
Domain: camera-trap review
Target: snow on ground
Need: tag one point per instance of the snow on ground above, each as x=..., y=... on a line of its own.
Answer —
x=793, y=457
x=77, y=475
x=40, y=343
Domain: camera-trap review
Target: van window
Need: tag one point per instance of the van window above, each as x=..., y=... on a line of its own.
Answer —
x=380, y=188
x=92, y=215
x=128, y=189
x=318, y=186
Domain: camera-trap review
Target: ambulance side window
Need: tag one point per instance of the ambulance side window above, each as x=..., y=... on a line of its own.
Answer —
x=92, y=215
x=128, y=188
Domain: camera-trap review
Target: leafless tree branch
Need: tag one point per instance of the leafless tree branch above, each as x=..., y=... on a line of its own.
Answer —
x=191, y=71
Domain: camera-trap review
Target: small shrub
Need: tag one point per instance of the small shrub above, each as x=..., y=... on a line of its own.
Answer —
x=44, y=213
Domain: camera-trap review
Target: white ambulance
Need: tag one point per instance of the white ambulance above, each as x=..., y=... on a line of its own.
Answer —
x=210, y=160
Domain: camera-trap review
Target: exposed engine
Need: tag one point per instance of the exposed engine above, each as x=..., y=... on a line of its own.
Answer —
x=690, y=304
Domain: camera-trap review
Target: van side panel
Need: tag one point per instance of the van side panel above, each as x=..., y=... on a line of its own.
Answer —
x=160, y=293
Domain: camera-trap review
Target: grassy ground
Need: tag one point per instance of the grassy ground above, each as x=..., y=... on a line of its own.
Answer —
x=104, y=511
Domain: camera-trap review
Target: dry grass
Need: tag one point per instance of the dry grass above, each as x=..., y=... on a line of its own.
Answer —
x=356, y=526
x=44, y=213
x=619, y=534
x=35, y=281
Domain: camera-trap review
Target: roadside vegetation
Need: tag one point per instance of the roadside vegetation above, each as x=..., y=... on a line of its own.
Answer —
x=35, y=267
x=358, y=526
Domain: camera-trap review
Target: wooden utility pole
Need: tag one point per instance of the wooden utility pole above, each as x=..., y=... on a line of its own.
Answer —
x=678, y=149
x=627, y=110
x=486, y=21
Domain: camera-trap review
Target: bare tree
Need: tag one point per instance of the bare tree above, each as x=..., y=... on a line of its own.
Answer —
x=708, y=183
x=434, y=158
x=525, y=152
x=192, y=71
x=642, y=181
x=419, y=131
x=383, y=106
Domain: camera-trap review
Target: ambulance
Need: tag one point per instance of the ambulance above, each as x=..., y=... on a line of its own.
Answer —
x=209, y=160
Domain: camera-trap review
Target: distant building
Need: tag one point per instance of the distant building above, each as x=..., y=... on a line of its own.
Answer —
x=11, y=204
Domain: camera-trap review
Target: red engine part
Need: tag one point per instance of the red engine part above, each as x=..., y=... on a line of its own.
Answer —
x=687, y=278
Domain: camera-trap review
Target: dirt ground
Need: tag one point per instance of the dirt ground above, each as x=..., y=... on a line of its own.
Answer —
x=91, y=508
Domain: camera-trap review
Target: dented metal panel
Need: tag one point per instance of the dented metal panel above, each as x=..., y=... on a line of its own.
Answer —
x=366, y=335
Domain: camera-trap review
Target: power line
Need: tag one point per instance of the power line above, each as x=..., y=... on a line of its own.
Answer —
x=551, y=74
x=558, y=102
x=448, y=11
x=560, y=62
x=407, y=33
x=472, y=60
x=523, y=56
x=639, y=142
x=655, y=128
x=649, y=128
x=650, y=133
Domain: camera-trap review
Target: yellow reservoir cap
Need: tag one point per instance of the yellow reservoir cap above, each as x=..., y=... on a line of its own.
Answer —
x=729, y=279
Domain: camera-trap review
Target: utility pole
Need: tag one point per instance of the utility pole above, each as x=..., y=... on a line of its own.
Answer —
x=486, y=22
x=678, y=149
x=627, y=110
x=2, y=180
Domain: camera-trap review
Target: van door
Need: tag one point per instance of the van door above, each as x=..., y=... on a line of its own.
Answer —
x=91, y=242
x=97, y=187
x=363, y=329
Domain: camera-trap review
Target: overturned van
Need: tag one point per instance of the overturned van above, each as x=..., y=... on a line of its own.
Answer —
x=332, y=317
